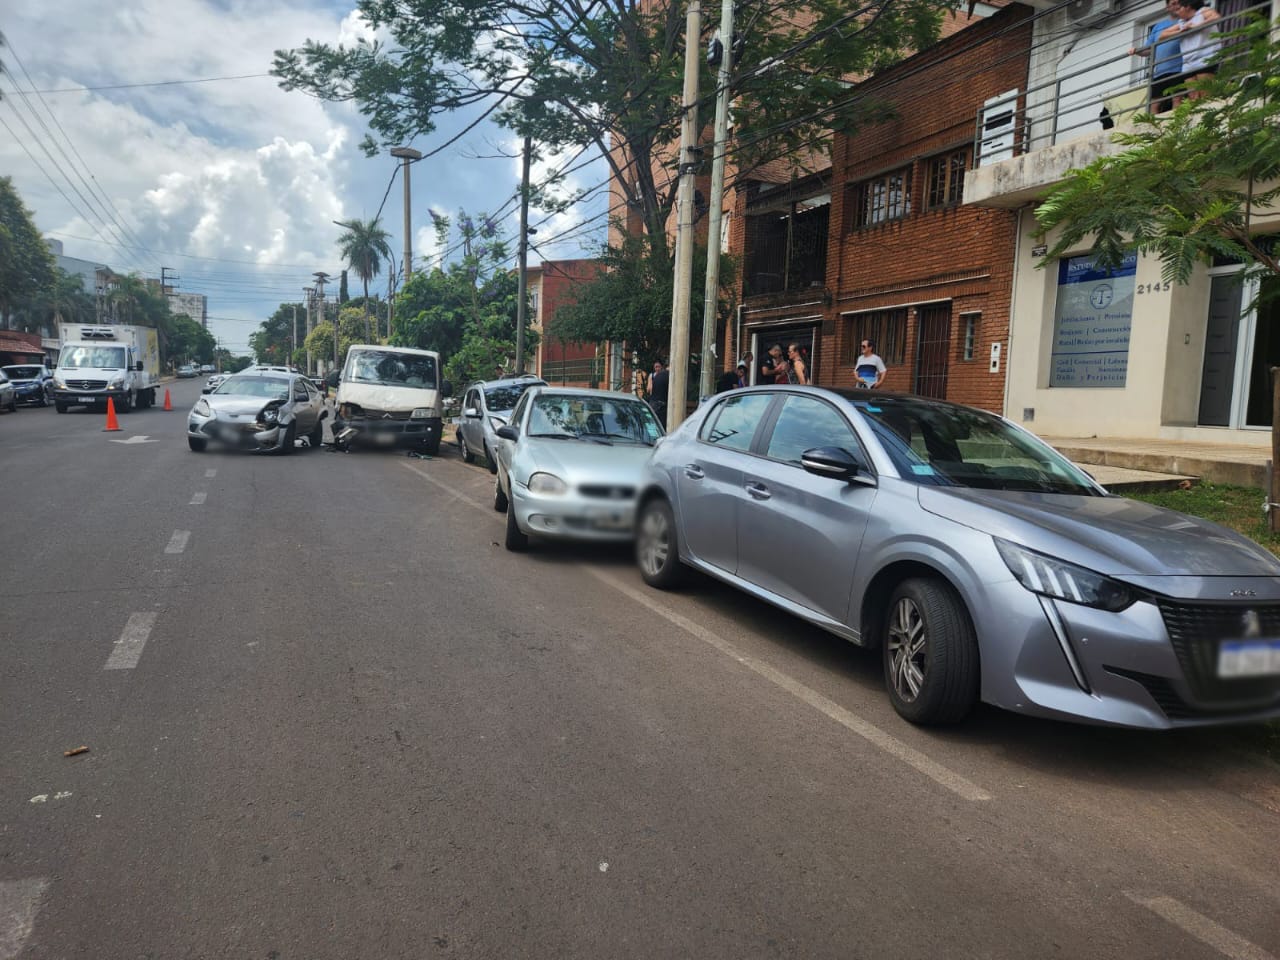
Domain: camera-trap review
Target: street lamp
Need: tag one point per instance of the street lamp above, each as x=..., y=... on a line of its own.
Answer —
x=406, y=155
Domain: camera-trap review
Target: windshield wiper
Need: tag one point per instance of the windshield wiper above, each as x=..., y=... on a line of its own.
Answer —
x=551, y=436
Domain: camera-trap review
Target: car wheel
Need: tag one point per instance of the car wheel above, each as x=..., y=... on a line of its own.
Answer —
x=490, y=459
x=126, y=404
x=516, y=541
x=196, y=444
x=499, y=496
x=432, y=447
x=290, y=438
x=656, y=552
x=464, y=451
x=60, y=407
x=930, y=653
x=316, y=436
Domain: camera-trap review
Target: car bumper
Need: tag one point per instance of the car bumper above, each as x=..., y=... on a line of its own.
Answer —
x=573, y=517
x=1129, y=668
x=242, y=435
x=29, y=394
x=389, y=433
x=73, y=397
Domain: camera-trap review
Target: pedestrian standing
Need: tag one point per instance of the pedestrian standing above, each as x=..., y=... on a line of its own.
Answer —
x=658, y=390
x=870, y=368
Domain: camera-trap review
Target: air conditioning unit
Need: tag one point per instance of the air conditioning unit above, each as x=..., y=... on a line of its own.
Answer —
x=1084, y=13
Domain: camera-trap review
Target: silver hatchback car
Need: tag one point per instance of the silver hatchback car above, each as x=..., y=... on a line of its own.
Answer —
x=258, y=410
x=486, y=406
x=982, y=563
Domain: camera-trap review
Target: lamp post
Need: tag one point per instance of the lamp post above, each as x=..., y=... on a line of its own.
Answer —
x=407, y=155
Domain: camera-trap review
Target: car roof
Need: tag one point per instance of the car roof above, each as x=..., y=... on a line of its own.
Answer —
x=505, y=381
x=585, y=392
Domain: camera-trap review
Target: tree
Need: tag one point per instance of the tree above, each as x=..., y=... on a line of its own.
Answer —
x=350, y=330
x=272, y=342
x=608, y=76
x=63, y=301
x=189, y=340
x=26, y=265
x=364, y=246
x=343, y=294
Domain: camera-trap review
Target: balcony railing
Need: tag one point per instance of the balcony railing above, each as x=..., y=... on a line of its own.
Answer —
x=1095, y=92
x=786, y=253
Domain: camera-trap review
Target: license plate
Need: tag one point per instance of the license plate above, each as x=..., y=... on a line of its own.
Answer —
x=612, y=521
x=1248, y=658
x=385, y=438
x=87, y=399
x=230, y=434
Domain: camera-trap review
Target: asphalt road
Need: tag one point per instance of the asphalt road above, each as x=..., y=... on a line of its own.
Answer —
x=328, y=716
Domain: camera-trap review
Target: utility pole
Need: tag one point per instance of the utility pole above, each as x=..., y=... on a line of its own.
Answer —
x=321, y=279
x=711, y=301
x=524, y=255
x=307, y=296
x=294, y=330
x=407, y=156
x=678, y=370
x=391, y=294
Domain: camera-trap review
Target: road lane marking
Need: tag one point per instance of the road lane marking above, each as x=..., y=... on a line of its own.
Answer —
x=133, y=638
x=210, y=474
x=178, y=542
x=846, y=718
x=198, y=498
x=20, y=901
x=1201, y=927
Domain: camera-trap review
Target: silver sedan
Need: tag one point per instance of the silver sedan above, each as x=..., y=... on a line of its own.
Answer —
x=259, y=411
x=570, y=462
x=981, y=563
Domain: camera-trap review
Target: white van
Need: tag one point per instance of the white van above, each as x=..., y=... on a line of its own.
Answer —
x=389, y=396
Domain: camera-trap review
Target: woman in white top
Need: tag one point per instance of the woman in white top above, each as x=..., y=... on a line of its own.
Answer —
x=1197, y=40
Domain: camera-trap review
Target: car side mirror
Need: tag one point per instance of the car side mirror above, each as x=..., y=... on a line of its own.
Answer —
x=446, y=389
x=471, y=412
x=138, y=366
x=333, y=378
x=508, y=432
x=836, y=463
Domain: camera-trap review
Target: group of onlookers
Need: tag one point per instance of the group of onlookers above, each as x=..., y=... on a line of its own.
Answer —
x=1184, y=44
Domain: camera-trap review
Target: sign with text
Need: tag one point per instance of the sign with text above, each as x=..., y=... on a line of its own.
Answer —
x=1091, y=323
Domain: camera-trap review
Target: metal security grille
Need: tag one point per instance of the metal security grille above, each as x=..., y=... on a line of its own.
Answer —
x=933, y=350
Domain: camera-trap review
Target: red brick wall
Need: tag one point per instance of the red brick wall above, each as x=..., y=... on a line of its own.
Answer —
x=560, y=280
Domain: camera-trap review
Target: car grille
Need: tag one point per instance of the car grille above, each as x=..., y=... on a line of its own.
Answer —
x=1195, y=631
x=86, y=384
x=607, y=491
x=1162, y=692
x=387, y=414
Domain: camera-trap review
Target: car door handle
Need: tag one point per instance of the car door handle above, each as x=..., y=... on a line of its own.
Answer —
x=693, y=471
x=758, y=491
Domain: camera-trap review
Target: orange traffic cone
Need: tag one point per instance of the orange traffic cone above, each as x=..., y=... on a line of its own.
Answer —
x=112, y=422
x=168, y=405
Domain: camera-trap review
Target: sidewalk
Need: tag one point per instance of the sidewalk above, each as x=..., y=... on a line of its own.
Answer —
x=1233, y=463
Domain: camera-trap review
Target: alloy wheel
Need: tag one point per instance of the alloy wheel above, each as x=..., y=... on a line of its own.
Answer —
x=908, y=646
x=654, y=541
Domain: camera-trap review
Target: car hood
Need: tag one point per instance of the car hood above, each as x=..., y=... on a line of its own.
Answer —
x=374, y=396
x=581, y=461
x=1111, y=535
x=233, y=405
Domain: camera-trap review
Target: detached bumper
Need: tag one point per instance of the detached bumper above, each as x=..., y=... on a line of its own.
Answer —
x=389, y=432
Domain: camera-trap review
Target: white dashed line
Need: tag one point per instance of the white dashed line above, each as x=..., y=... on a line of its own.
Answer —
x=210, y=474
x=198, y=498
x=178, y=542
x=133, y=638
x=1202, y=928
x=19, y=904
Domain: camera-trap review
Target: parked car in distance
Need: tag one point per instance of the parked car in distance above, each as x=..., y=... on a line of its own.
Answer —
x=32, y=382
x=486, y=406
x=187, y=371
x=569, y=464
x=982, y=563
x=206, y=368
x=8, y=397
x=258, y=411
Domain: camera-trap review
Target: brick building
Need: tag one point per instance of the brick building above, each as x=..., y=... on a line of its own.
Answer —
x=879, y=244
x=552, y=285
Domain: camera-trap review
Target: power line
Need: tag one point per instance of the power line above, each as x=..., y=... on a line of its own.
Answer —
x=152, y=83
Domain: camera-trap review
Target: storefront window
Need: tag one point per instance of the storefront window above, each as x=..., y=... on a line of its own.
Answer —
x=1091, y=323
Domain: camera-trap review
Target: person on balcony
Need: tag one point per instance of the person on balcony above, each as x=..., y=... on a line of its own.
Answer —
x=1198, y=40
x=1166, y=65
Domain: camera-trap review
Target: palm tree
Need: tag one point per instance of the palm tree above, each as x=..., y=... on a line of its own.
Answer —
x=364, y=246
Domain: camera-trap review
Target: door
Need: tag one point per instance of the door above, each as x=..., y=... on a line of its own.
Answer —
x=1222, y=334
x=709, y=483
x=805, y=336
x=799, y=534
x=1264, y=354
x=472, y=421
x=933, y=350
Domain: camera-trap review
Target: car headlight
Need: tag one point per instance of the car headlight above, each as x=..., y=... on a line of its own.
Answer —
x=202, y=408
x=269, y=415
x=59, y=383
x=116, y=384
x=419, y=413
x=1063, y=581
x=547, y=484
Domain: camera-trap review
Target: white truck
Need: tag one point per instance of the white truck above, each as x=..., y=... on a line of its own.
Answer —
x=98, y=361
x=389, y=396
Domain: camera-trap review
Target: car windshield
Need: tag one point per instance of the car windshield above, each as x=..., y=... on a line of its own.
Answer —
x=506, y=396
x=390, y=369
x=593, y=418
x=22, y=373
x=271, y=388
x=104, y=358
x=944, y=445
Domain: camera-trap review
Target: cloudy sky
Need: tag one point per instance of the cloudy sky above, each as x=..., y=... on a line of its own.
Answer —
x=231, y=183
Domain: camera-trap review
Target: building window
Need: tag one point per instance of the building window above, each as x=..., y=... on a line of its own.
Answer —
x=970, y=322
x=883, y=198
x=887, y=329
x=946, y=178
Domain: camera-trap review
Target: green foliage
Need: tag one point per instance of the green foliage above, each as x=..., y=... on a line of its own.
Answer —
x=1186, y=185
x=272, y=342
x=610, y=75
x=232, y=364
x=26, y=265
x=188, y=340
x=350, y=330
x=364, y=246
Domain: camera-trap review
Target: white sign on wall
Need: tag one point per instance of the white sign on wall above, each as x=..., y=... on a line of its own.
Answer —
x=1091, y=323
